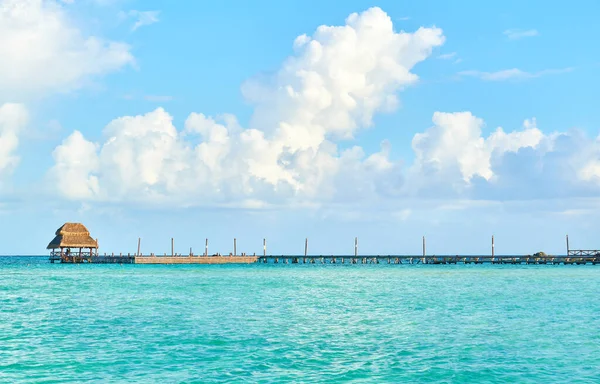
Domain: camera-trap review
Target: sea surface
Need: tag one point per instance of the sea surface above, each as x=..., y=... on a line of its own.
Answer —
x=298, y=323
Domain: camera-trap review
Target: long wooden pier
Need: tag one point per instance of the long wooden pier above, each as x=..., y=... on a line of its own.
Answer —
x=590, y=259
x=573, y=257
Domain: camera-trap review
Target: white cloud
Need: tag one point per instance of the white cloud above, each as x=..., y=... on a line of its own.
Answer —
x=454, y=159
x=515, y=34
x=553, y=169
x=13, y=117
x=216, y=162
x=453, y=151
x=42, y=50
x=585, y=159
x=590, y=171
x=330, y=88
x=453, y=145
x=529, y=136
x=74, y=160
x=447, y=56
x=143, y=18
x=513, y=74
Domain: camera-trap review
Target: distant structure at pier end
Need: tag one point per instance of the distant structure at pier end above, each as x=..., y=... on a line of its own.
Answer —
x=72, y=244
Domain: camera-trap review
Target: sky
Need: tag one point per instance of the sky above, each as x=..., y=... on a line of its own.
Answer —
x=386, y=121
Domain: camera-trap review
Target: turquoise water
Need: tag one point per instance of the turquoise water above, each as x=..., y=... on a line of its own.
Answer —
x=298, y=323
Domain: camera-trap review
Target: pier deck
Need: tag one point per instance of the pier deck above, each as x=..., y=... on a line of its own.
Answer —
x=110, y=259
x=195, y=259
x=406, y=259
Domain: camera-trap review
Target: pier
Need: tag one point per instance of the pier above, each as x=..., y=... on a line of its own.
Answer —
x=74, y=235
x=591, y=259
x=576, y=258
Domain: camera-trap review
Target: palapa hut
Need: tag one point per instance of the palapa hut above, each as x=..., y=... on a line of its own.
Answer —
x=73, y=241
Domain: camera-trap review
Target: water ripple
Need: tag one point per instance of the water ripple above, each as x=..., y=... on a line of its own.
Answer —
x=383, y=324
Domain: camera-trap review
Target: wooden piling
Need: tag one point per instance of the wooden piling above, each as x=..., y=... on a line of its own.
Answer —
x=206, y=248
x=568, y=245
x=139, y=243
x=172, y=247
x=264, y=247
x=423, y=246
x=355, y=246
x=234, y=246
x=305, y=247
x=492, y=246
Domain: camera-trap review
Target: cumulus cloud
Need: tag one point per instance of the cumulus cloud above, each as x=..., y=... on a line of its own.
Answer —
x=454, y=159
x=452, y=146
x=145, y=158
x=560, y=166
x=453, y=152
x=43, y=51
x=13, y=117
x=75, y=161
x=332, y=86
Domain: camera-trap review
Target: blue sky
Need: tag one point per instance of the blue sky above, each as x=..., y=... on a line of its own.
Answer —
x=192, y=119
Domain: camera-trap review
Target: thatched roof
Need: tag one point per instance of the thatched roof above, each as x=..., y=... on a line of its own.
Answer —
x=72, y=235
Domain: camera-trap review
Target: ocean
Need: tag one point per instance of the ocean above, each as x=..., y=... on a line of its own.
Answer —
x=298, y=323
